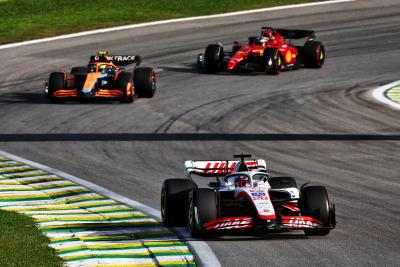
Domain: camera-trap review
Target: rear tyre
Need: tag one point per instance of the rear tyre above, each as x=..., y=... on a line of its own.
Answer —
x=313, y=55
x=124, y=83
x=175, y=201
x=272, y=61
x=145, y=82
x=213, y=57
x=316, y=204
x=202, y=209
x=56, y=82
x=282, y=182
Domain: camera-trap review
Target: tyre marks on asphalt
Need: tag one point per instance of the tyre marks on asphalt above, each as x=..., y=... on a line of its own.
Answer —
x=86, y=228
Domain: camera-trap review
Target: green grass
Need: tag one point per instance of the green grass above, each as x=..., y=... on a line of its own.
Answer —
x=32, y=19
x=22, y=244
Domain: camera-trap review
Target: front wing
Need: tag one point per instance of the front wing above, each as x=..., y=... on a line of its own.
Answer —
x=285, y=222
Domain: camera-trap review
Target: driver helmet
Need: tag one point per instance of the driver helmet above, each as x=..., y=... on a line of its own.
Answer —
x=242, y=181
x=268, y=33
x=102, y=68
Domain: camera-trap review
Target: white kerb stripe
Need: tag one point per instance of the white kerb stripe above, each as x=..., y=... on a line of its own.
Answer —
x=161, y=22
x=379, y=94
x=205, y=256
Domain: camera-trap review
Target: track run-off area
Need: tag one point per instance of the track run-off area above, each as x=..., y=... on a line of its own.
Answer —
x=320, y=126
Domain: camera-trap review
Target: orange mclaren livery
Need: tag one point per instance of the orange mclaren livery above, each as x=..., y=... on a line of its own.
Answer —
x=103, y=78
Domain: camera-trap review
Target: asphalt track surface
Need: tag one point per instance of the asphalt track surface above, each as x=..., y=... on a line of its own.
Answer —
x=320, y=126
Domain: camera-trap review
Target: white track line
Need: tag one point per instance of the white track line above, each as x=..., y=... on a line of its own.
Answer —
x=205, y=256
x=379, y=94
x=161, y=22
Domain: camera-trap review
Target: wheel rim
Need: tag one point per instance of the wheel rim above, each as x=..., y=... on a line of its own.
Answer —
x=320, y=56
x=279, y=61
x=191, y=216
x=163, y=204
x=153, y=82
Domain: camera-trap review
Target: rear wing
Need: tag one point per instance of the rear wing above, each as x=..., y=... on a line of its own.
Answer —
x=118, y=60
x=294, y=34
x=213, y=168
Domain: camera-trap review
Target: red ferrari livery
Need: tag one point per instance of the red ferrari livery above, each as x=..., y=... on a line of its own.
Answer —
x=271, y=52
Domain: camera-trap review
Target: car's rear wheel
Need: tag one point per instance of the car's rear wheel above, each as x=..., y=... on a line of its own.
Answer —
x=56, y=82
x=313, y=54
x=273, y=61
x=124, y=83
x=145, y=82
x=213, y=57
x=202, y=209
x=175, y=201
x=316, y=204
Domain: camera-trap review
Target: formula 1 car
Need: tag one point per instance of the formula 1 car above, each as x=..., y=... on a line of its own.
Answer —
x=103, y=78
x=271, y=52
x=244, y=196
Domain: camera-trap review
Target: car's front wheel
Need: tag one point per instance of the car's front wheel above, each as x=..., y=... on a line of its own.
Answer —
x=124, y=83
x=202, y=209
x=316, y=204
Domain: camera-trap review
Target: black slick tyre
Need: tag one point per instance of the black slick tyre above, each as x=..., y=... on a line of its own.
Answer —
x=316, y=204
x=282, y=182
x=124, y=83
x=145, y=82
x=213, y=57
x=202, y=209
x=56, y=82
x=272, y=61
x=175, y=201
x=313, y=55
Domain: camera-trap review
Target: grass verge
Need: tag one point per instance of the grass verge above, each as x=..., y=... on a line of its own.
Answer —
x=22, y=244
x=32, y=19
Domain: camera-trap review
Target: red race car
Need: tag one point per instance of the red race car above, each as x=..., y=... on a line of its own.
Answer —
x=271, y=52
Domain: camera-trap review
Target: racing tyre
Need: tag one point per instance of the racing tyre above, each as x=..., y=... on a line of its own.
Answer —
x=313, y=55
x=202, y=209
x=175, y=201
x=273, y=61
x=213, y=57
x=282, y=182
x=56, y=82
x=145, y=82
x=316, y=204
x=124, y=83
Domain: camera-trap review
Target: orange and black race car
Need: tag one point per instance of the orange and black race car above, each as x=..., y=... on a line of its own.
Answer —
x=103, y=78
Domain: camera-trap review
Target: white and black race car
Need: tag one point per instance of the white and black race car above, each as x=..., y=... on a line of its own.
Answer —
x=244, y=196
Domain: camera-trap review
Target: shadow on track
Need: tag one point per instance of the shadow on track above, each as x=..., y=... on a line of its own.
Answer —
x=248, y=237
x=40, y=98
x=92, y=137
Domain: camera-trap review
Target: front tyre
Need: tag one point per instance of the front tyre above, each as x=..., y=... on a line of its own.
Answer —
x=145, y=82
x=56, y=82
x=124, y=83
x=316, y=204
x=213, y=57
x=202, y=209
x=273, y=61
